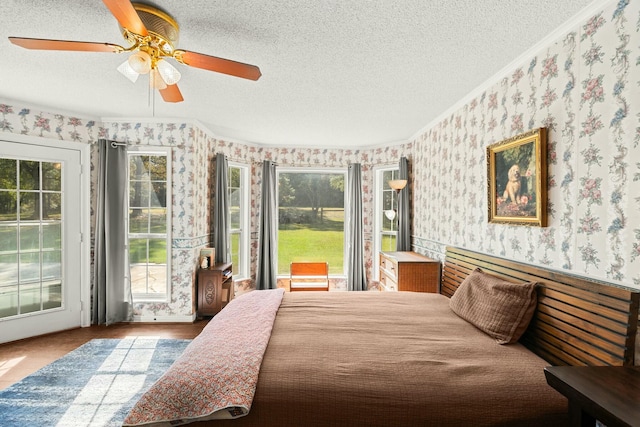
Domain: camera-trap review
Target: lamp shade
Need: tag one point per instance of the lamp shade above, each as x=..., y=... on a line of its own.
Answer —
x=390, y=214
x=169, y=73
x=397, y=184
x=140, y=62
x=126, y=70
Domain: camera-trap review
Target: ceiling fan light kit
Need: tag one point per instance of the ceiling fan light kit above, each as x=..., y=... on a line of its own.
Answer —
x=152, y=36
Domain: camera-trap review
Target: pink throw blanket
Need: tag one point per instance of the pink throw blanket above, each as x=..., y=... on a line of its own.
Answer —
x=216, y=376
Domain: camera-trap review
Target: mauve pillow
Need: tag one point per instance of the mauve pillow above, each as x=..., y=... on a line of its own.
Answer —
x=500, y=308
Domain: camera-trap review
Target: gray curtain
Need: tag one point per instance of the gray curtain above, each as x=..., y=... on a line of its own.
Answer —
x=111, y=295
x=222, y=227
x=267, y=243
x=356, y=277
x=403, y=242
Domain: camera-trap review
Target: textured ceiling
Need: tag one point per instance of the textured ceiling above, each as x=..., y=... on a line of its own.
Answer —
x=335, y=73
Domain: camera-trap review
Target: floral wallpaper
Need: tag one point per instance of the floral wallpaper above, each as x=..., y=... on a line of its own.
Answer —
x=585, y=89
x=194, y=149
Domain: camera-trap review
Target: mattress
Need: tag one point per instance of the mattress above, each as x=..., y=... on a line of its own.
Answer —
x=393, y=358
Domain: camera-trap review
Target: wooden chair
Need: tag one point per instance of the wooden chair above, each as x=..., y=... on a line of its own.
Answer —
x=309, y=276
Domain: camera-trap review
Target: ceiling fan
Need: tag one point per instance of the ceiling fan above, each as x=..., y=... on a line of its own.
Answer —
x=152, y=35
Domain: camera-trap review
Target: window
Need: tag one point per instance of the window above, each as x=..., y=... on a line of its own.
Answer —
x=386, y=212
x=239, y=218
x=149, y=224
x=30, y=236
x=311, y=222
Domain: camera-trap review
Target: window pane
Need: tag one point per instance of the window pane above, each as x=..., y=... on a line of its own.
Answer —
x=157, y=251
x=234, y=217
x=311, y=219
x=29, y=297
x=52, y=206
x=138, y=220
x=8, y=300
x=159, y=194
x=139, y=194
x=8, y=206
x=234, y=196
x=51, y=265
x=135, y=168
x=8, y=174
x=157, y=278
x=138, y=251
x=143, y=170
x=158, y=220
x=29, y=237
x=52, y=236
x=29, y=206
x=51, y=294
x=139, y=276
x=235, y=252
x=8, y=238
x=29, y=175
x=51, y=176
x=8, y=269
x=30, y=267
x=388, y=243
x=234, y=177
x=158, y=168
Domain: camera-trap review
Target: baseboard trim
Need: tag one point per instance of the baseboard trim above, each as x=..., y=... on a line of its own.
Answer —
x=164, y=319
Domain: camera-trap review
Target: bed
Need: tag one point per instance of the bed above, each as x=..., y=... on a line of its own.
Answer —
x=380, y=359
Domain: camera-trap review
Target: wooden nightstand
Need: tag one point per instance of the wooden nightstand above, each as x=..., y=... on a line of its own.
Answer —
x=215, y=288
x=609, y=394
x=409, y=271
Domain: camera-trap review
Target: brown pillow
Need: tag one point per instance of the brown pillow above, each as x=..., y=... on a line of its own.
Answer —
x=501, y=309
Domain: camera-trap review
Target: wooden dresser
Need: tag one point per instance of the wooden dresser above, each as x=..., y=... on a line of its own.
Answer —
x=408, y=271
x=215, y=288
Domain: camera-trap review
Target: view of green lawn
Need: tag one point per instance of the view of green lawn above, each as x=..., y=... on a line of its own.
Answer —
x=306, y=238
x=157, y=251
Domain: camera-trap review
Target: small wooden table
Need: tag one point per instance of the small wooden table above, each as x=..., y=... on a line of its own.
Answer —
x=609, y=394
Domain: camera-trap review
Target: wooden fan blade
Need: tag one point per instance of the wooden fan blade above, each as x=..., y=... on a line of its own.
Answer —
x=127, y=16
x=45, y=44
x=171, y=94
x=219, y=65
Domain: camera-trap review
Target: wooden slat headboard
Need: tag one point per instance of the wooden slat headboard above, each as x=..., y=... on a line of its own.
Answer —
x=577, y=321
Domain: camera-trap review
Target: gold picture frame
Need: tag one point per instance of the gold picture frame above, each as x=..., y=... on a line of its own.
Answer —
x=517, y=179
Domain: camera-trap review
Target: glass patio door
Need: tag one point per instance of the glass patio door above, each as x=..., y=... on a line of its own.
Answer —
x=39, y=240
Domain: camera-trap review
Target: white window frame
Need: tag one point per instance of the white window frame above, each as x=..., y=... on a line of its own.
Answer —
x=377, y=223
x=325, y=171
x=244, y=243
x=154, y=151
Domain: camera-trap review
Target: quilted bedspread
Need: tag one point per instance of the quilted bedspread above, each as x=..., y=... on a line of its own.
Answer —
x=216, y=377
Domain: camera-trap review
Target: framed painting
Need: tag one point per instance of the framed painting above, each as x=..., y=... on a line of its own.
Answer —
x=517, y=179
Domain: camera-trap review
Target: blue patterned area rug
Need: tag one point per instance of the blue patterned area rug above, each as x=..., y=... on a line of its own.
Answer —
x=95, y=385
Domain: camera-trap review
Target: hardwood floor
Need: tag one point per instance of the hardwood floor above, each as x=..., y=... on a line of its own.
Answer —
x=21, y=358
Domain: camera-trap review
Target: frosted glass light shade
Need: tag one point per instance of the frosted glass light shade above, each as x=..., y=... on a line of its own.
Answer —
x=390, y=214
x=397, y=184
x=126, y=70
x=169, y=73
x=140, y=61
